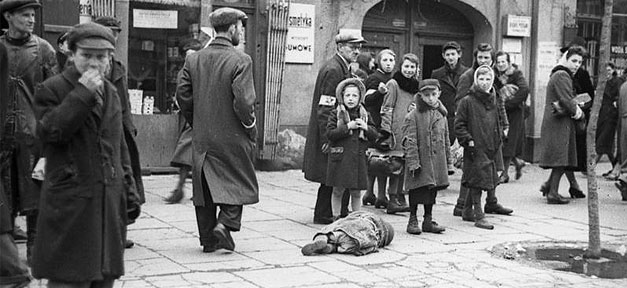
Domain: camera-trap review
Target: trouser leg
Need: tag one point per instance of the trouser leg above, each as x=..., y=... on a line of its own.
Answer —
x=206, y=217
x=381, y=183
x=346, y=197
x=476, y=203
x=463, y=191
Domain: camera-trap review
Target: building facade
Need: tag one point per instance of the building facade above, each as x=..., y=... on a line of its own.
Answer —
x=154, y=30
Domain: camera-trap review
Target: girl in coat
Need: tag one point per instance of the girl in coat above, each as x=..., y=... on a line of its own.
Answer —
x=513, y=88
x=480, y=125
x=375, y=93
x=397, y=103
x=558, y=151
x=349, y=129
x=427, y=155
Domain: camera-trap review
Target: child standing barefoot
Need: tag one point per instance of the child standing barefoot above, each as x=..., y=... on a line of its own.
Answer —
x=348, y=130
x=427, y=155
x=480, y=125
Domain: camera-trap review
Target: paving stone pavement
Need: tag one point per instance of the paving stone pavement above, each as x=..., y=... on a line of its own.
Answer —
x=267, y=253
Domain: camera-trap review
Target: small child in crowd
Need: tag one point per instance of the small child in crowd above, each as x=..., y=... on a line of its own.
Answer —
x=349, y=129
x=481, y=125
x=427, y=155
x=360, y=233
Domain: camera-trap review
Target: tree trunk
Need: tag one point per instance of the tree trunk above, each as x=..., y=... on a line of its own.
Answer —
x=594, y=233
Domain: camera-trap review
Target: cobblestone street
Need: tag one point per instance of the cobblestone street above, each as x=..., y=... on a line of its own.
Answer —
x=267, y=253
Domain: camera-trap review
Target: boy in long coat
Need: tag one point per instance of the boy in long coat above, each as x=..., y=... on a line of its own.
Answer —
x=82, y=218
x=216, y=93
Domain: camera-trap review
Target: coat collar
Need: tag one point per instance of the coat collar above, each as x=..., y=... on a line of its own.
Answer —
x=221, y=41
x=117, y=70
x=71, y=74
x=343, y=64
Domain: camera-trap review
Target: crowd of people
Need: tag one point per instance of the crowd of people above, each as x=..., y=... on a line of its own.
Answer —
x=69, y=162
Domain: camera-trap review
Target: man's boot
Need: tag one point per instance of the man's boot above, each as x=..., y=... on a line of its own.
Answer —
x=493, y=207
x=412, y=226
x=394, y=206
x=431, y=226
x=175, y=196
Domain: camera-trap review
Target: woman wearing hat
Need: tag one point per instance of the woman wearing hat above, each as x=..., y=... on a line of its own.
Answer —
x=83, y=210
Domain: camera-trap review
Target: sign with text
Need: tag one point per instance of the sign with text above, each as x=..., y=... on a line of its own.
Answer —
x=517, y=26
x=300, y=34
x=162, y=19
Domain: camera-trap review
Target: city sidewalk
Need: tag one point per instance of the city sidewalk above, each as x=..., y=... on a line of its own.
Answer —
x=167, y=252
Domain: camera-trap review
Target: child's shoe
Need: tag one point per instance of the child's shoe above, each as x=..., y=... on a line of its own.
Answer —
x=319, y=246
x=483, y=224
x=431, y=226
x=412, y=226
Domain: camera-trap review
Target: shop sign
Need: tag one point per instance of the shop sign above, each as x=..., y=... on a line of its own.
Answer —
x=618, y=49
x=300, y=34
x=517, y=26
x=161, y=19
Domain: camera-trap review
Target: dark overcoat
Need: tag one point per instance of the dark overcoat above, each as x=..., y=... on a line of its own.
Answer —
x=514, y=109
x=449, y=78
x=6, y=224
x=374, y=99
x=426, y=145
x=81, y=227
x=608, y=117
x=30, y=62
x=216, y=94
x=315, y=161
x=120, y=81
x=558, y=145
x=348, y=166
x=481, y=118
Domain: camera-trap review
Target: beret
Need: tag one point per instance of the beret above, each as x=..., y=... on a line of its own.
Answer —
x=451, y=45
x=90, y=36
x=110, y=22
x=431, y=84
x=12, y=5
x=349, y=36
x=226, y=16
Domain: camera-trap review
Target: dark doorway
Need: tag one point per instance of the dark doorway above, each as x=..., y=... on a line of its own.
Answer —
x=431, y=60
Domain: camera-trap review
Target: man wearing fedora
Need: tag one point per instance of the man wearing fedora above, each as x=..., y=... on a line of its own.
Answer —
x=332, y=72
x=216, y=94
x=83, y=209
x=118, y=76
x=31, y=61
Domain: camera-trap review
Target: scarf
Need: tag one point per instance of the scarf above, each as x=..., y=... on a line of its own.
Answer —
x=15, y=41
x=407, y=84
x=486, y=98
x=343, y=116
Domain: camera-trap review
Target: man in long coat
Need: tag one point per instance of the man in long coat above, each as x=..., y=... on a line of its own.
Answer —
x=315, y=159
x=216, y=94
x=448, y=76
x=31, y=61
x=82, y=218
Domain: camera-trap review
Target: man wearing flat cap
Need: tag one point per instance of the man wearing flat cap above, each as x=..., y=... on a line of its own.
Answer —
x=31, y=61
x=330, y=75
x=448, y=76
x=216, y=94
x=83, y=210
x=118, y=76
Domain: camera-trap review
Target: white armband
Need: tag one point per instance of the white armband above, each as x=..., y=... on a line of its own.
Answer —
x=251, y=125
x=326, y=100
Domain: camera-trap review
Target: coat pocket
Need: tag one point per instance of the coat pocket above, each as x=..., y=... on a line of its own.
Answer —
x=336, y=153
x=63, y=181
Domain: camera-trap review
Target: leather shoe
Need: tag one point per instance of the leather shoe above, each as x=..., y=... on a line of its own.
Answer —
x=557, y=200
x=368, y=200
x=483, y=224
x=496, y=208
x=129, y=244
x=175, y=197
x=209, y=248
x=323, y=220
x=224, y=237
x=622, y=187
x=576, y=193
x=317, y=247
x=457, y=211
x=381, y=203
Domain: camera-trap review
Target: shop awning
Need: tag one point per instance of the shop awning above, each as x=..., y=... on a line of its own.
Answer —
x=189, y=3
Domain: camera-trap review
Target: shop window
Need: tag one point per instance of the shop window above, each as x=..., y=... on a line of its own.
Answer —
x=157, y=31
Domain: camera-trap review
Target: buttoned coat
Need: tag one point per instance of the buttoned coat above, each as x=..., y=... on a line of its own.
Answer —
x=426, y=145
x=323, y=102
x=82, y=216
x=449, y=78
x=558, y=144
x=216, y=94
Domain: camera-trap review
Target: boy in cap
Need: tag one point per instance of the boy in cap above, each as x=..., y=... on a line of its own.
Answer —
x=427, y=155
x=118, y=76
x=216, y=92
x=31, y=61
x=83, y=211
x=448, y=76
x=330, y=75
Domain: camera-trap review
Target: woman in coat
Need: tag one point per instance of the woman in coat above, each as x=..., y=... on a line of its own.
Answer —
x=376, y=90
x=514, y=89
x=608, y=118
x=82, y=218
x=559, y=145
x=480, y=125
x=397, y=103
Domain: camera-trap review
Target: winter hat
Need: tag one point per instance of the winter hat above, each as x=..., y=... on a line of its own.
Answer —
x=342, y=114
